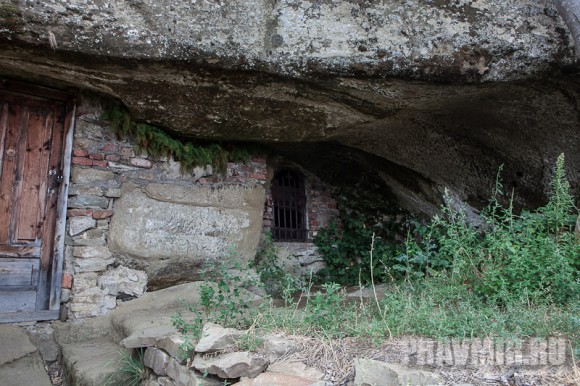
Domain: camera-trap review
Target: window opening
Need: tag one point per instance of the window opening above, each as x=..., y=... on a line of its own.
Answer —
x=289, y=206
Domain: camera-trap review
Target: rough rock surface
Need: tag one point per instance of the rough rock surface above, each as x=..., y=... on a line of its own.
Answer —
x=157, y=360
x=231, y=365
x=217, y=338
x=161, y=223
x=299, y=38
x=369, y=372
x=426, y=93
x=277, y=379
x=277, y=347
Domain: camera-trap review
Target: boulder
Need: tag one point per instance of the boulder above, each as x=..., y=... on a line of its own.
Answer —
x=157, y=360
x=231, y=365
x=277, y=347
x=369, y=372
x=173, y=230
x=217, y=338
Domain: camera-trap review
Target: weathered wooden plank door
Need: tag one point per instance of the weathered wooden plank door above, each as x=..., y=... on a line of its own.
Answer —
x=32, y=143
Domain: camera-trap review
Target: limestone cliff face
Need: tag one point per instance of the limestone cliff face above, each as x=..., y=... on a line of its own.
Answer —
x=424, y=93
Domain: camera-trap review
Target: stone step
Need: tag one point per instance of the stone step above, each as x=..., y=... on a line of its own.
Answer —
x=91, y=348
x=91, y=363
x=20, y=361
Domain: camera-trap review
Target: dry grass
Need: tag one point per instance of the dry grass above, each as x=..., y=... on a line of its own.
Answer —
x=335, y=358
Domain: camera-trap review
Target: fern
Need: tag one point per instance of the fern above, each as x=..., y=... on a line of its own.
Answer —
x=158, y=143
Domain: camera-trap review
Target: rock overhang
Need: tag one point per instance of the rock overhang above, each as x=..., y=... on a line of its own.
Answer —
x=444, y=93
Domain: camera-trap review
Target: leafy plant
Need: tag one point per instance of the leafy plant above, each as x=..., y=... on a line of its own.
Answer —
x=249, y=341
x=529, y=256
x=223, y=300
x=345, y=251
x=158, y=143
x=321, y=309
x=266, y=264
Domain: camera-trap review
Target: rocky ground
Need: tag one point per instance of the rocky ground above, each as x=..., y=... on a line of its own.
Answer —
x=336, y=360
x=87, y=348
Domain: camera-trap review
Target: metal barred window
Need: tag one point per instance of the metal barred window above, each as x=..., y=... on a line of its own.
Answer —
x=289, y=206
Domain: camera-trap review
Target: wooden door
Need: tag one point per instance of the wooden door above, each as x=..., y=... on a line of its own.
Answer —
x=32, y=133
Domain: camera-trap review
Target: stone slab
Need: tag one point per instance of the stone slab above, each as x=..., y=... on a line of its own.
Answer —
x=148, y=337
x=15, y=343
x=231, y=365
x=90, y=363
x=217, y=338
x=26, y=371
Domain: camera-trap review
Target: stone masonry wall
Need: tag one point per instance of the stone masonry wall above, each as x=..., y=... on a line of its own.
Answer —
x=97, y=275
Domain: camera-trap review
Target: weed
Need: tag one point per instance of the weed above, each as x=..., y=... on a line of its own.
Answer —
x=223, y=300
x=130, y=370
x=249, y=341
x=266, y=264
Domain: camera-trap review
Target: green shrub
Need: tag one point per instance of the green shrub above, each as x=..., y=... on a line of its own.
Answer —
x=437, y=307
x=529, y=256
x=223, y=300
x=346, y=252
x=266, y=264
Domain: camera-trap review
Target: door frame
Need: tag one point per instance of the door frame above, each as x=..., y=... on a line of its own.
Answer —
x=50, y=288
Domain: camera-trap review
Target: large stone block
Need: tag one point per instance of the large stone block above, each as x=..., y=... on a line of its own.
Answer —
x=175, y=228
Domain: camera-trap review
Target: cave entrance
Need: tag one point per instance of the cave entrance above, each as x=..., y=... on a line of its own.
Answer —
x=289, y=206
